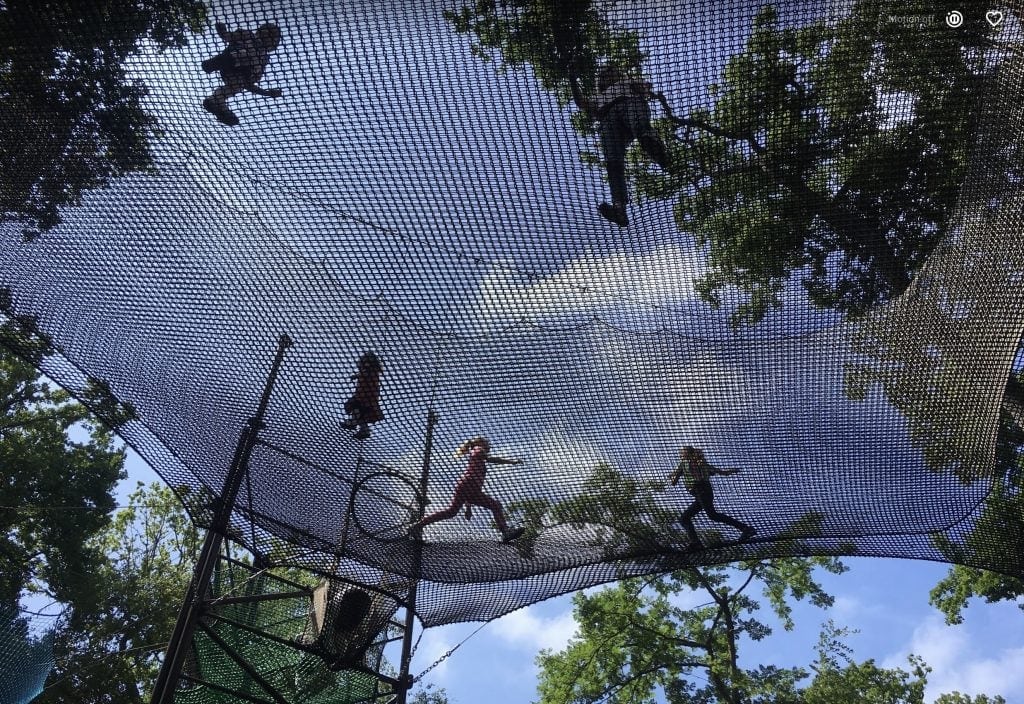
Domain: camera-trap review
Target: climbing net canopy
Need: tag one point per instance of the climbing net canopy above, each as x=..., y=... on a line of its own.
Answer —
x=823, y=288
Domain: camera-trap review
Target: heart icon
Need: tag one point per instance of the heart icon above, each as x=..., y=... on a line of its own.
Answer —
x=994, y=17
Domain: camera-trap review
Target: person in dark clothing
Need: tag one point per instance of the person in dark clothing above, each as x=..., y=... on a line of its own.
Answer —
x=623, y=116
x=241, y=66
x=363, y=407
x=696, y=472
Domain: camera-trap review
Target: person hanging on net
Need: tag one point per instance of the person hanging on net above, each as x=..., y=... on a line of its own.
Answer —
x=696, y=472
x=241, y=66
x=623, y=116
x=363, y=407
x=469, y=491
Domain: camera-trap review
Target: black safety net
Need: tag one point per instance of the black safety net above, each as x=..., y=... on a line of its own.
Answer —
x=817, y=277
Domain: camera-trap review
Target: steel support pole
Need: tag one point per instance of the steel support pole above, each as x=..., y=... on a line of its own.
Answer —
x=192, y=607
x=404, y=679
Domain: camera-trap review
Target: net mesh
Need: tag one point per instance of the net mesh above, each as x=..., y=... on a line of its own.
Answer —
x=26, y=658
x=406, y=197
x=263, y=640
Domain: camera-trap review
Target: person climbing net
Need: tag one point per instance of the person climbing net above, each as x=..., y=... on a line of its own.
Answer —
x=363, y=407
x=241, y=66
x=697, y=472
x=623, y=116
x=469, y=491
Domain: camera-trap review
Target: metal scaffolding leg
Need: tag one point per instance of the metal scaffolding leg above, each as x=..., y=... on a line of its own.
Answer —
x=404, y=678
x=192, y=607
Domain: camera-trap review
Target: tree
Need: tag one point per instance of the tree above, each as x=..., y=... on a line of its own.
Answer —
x=633, y=640
x=799, y=168
x=636, y=644
x=634, y=647
x=959, y=698
x=108, y=649
x=560, y=40
x=430, y=695
x=997, y=531
x=835, y=154
x=60, y=465
x=71, y=117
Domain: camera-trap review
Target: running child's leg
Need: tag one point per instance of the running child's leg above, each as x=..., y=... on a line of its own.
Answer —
x=615, y=138
x=441, y=515
x=687, y=520
x=637, y=115
x=494, y=506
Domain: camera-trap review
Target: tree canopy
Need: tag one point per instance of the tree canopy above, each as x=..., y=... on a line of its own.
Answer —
x=636, y=645
x=71, y=116
x=108, y=649
x=831, y=153
x=60, y=468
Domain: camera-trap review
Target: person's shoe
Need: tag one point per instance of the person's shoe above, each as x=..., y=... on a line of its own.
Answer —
x=655, y=149
x=511, y=534
x=221, y=112
x=747, y=533
x=363, y=433
x=614, y=213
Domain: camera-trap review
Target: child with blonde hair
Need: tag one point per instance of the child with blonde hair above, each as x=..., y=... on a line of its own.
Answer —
x=469, y=490
x=697, y=471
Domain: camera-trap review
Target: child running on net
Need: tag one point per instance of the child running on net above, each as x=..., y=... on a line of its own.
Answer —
x=364, y=405
x=697, y=471
x=241, y=66
x=623, y=116
x=469, y=490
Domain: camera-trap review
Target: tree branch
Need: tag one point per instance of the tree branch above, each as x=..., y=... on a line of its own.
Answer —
x=683, y=641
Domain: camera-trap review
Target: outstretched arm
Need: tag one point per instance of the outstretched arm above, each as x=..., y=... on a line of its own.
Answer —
x=724, y=470
x=223, y=33
x=581, y=100
x=503, y=460
x=680, y=468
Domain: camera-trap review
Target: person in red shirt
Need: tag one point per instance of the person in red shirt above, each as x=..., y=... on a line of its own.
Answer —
x=469, y=491
x=697, y=471
x=364, y=405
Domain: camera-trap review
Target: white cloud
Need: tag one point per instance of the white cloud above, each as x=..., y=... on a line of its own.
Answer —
x=551, y=452
x=592, y=285
x=527, y=630
x=962, y=662
x=847, y=609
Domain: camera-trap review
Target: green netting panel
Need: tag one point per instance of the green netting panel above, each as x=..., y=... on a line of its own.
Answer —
x=821, y=287
x=276, y=639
